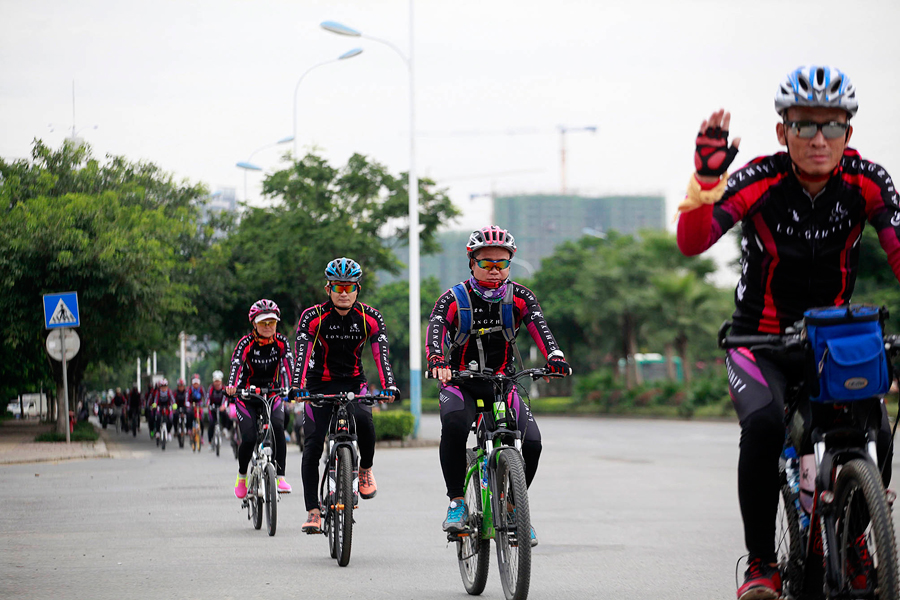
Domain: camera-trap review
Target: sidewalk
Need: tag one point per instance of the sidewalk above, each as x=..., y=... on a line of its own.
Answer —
x=17, y=444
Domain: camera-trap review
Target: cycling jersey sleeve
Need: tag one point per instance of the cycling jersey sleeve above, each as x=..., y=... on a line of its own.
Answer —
x=379, y=341
x=237, y=360
x=443, y=318
x=532, y=317
x=702, y=227
x=881, y=199
x=285, y=373
x=307, y=328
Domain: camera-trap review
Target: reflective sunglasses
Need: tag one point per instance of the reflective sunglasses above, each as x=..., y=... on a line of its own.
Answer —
x=340, y=289
x=267, y=322
x=487, y=265
x=807, y=130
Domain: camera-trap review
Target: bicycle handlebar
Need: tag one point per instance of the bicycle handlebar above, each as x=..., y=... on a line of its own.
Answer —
x=258, y=392
x=368, y=399
x=786, y=341
x=469, y=374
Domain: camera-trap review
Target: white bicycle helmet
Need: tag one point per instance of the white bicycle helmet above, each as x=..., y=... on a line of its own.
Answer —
x=816, y=85
x=217, y=375
x=492, y=236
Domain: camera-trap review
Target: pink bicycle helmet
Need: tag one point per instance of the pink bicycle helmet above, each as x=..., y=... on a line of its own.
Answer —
x=491, y=236
x=261, y=307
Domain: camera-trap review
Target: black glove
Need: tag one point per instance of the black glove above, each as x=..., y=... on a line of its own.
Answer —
x=558, y=365
x=713, y=155
x=437, y=361
x=391, y=391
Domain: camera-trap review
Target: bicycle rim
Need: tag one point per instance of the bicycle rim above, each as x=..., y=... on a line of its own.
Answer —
x=513, y=539
x=271, y=499
x=343, y=510
x=867, y=549
x=473, y=552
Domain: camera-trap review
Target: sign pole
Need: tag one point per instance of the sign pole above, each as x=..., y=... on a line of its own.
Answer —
x=62, y=337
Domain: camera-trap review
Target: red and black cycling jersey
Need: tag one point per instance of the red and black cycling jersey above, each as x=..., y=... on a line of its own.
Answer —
x=798, y=252
x=216, y=396
x=444, y=322
x=255, y=363
x=161, y=398
x=329, y=345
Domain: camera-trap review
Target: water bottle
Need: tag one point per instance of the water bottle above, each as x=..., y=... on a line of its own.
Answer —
x=791, y=470
x=807, y=481
x=484, y=473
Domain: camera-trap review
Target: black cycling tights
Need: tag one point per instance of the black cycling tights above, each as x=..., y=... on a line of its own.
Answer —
x=247, y=422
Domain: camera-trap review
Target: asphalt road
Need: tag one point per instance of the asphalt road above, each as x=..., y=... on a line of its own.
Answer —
x=623, y=509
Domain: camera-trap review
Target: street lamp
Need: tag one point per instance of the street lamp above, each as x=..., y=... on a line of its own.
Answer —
x=249, y=166
x=415, y=325
x=344, y=56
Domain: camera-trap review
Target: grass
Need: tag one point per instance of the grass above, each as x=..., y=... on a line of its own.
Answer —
x=84, y=432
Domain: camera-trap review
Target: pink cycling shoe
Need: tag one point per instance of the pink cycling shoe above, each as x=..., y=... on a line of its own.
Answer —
x=240, y=487
x=283, y=486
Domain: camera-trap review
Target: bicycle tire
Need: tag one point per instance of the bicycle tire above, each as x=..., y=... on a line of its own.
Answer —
x=218, y=439
x=788, y=541
x=473, y=552
x=862, y=510
x=256, y=502
x=513, y=528
x=162, y=440
x=343, y=511
x=271, y=499
x=135, y=423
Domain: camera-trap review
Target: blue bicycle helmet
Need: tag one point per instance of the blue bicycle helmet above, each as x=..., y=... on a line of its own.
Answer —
x=343, y=269
x=817, y=86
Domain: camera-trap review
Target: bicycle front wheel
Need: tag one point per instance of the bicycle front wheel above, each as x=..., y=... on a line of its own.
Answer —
x=512, y=520
x=271, y=499
x=788, y=540
x=866, y=548
x=254, y=490
x=473, y=552
x=342, y=523
x=217, y=439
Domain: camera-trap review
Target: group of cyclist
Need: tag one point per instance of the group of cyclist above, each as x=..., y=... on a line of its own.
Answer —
x=801, y=211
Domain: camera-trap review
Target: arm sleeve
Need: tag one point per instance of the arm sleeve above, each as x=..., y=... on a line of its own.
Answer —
x=287, y=362
x=303, y=345
x=442, y=319
x=531, y=315
x=882, y=210
x=380, y=350
x=237, y=361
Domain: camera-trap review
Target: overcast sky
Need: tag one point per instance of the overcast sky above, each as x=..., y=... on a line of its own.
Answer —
x=196, y=86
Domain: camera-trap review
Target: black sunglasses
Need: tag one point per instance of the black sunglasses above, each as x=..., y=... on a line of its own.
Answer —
x=807, y=130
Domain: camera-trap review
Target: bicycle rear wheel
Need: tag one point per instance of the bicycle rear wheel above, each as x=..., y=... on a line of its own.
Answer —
x=512, y=520
x=473, y=552
x=342, y=521
x=217, y=439
x=271, y=499
x=866, y=548
x=789, y=541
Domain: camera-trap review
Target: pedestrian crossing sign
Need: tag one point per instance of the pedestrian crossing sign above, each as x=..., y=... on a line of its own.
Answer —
x=61, y=310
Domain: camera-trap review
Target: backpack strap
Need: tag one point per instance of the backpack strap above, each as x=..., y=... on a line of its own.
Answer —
x=464, y=312
x=465, y=330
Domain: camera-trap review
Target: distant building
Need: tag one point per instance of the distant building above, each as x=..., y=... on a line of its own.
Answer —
x=221, y=200
x=540, y=223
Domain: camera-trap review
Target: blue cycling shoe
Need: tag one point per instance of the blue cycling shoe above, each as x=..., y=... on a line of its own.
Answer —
x=457, y=515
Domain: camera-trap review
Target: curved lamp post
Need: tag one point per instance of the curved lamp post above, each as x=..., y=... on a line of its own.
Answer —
x=415, y=324
x=249, y=166
x=344, y=56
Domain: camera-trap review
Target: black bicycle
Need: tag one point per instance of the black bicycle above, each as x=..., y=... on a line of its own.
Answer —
x=262, y=491
x=181, y=425
x=339, y=488
x=495, y=491
x=840, y=544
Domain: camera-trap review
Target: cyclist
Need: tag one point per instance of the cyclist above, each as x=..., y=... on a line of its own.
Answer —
x=183, y=406
x=119, y=402
x=802, y=213
x=490, y=251
x=198, y=400
x=217, y=405
x=330, y=341
x=261, y=359
x=162, y=401
x=134, y=405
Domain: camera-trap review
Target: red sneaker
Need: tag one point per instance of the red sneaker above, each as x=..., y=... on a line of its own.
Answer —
x=313, y=523
x=859, y=564
x=367, y=487
x=761, y=582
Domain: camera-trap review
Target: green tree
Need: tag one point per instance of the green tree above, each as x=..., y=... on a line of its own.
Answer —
x=110, y=232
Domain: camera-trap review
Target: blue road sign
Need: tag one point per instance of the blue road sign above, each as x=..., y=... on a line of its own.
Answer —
x=61, y=310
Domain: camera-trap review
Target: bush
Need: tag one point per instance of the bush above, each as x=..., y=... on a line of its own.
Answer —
x=84, y=432
x=6, y=415
x=393, y=424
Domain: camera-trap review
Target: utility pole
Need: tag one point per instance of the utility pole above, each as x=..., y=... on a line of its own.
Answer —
x=563, y=130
